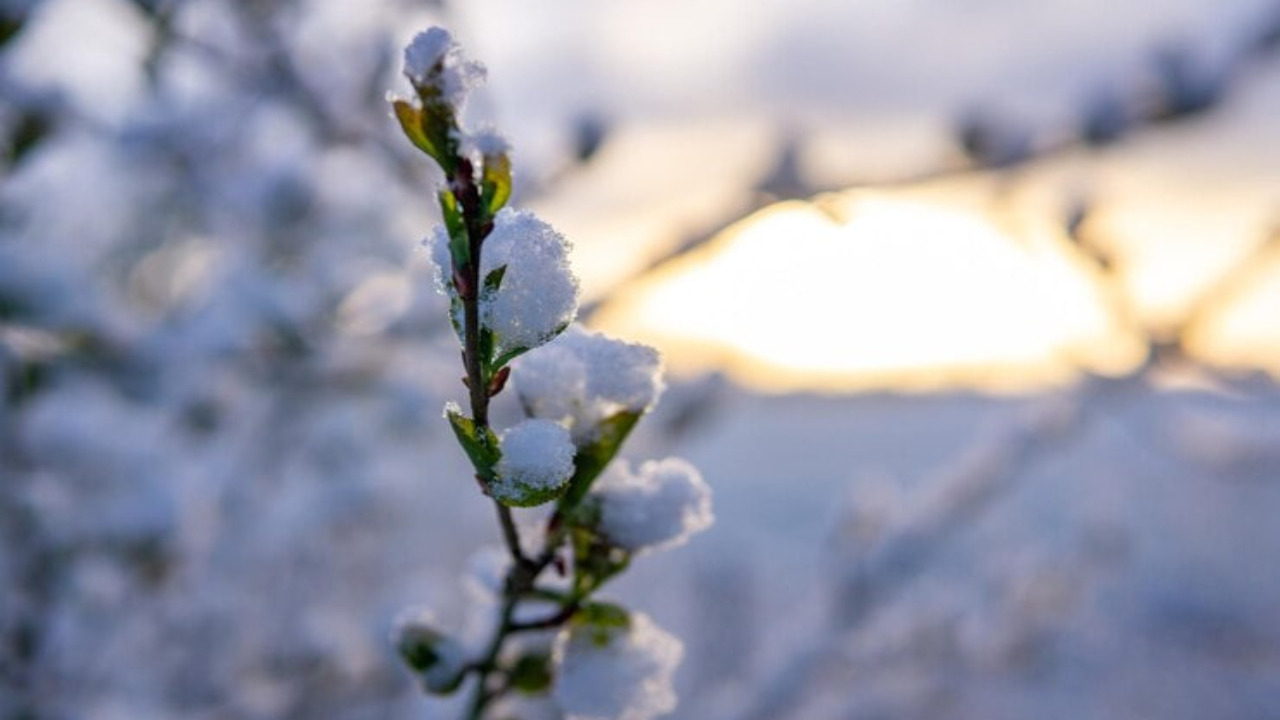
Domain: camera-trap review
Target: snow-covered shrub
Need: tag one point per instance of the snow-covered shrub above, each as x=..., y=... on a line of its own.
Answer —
x=512, y=295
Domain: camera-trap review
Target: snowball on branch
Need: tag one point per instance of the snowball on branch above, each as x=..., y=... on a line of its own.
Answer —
x=616, y=673
x=486, y=142
x=538, y=296
x=537, y=461
x=538, y=293
x=659, y=505
x=581, y=378
x=435, y=65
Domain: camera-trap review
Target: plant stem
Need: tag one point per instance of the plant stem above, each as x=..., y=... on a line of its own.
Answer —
x=524, y=571
x=481, y=696
x=511, y=535
x=561, y=617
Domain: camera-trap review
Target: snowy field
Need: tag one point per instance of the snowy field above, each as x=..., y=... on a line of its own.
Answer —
x=991, y=434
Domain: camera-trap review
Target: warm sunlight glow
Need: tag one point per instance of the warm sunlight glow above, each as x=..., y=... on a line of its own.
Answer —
x=862, y=289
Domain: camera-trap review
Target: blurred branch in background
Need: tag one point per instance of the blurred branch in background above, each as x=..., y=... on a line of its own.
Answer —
x=888, y=542
x=1179, y=86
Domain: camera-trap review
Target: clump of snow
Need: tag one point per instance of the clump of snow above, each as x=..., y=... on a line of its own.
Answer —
x=425, y=50
x=437, y=658
x=537, y=460
x=437, y=247
x=488, y=142
x=451, y=408
x=621, y=673
x=538, y=295
x=581, y=378
x=434, y=62
x=660, y=505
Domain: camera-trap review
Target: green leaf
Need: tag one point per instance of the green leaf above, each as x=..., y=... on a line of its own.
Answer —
x=493, y=281
x=455, y=224
x=480, y=444
x=592, y=458
x=486, y=352
x=457, y=316
x=29, y=131
x=506, y=357
x=410, y=118
x=514, y=353
x=602, y=620
x=10, y=26
x=439, y=124
x=417, y=647
x=595, y=560
x=433, y=657
x=515, y=495
x=532, y=674
x=441, y=683
x=495, y=184
x=489, y=341
x=605, y=614
x=431, y=127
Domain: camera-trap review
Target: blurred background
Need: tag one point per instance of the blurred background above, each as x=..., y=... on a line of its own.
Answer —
x=971, y=311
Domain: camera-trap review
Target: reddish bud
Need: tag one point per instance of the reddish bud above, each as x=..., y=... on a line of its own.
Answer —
x=499, y=381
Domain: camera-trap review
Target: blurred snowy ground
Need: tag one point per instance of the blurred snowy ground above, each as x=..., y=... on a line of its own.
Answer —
x=221, y=462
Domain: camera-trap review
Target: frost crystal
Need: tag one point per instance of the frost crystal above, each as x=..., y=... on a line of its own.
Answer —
x=623, y=674
x=582, y=378
x=434, y=62
x=539, y=294
x=659, y=506
x=537, y=460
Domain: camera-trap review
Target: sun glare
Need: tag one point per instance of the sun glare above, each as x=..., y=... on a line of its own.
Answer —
x=868, y=289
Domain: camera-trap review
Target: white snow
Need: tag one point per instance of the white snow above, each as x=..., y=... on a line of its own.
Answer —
x=659, y=505
x=486, y=572
x=427, y=48
x=486, y=142
x=537, y=457
x=583, y=377
x=437, y=247
x=539, y=292
x=434, y=60
x=628, y=677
